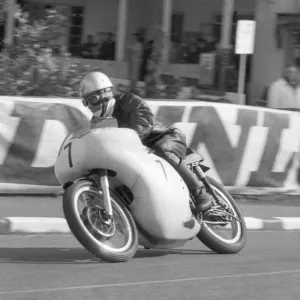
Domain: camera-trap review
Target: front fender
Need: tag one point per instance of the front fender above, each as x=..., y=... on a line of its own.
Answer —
x=69, y=183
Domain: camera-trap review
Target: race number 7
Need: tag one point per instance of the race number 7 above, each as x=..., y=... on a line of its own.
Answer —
x=69, y=145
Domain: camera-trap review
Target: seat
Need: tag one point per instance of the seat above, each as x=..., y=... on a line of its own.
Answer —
x=192, y=159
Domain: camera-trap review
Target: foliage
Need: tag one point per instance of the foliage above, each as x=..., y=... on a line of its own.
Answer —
x=35, y=64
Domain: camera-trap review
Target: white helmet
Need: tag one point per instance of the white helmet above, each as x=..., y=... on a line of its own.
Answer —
x=96, y=92
x=93, y=82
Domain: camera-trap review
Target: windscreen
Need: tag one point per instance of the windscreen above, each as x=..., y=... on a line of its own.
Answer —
x=85, y=127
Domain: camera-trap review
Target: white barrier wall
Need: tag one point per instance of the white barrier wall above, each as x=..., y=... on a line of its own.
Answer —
x=244, y=146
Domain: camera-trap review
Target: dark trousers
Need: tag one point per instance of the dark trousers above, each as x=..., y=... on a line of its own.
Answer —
x=172, y=147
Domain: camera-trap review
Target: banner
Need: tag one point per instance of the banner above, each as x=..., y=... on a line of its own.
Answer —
x=246, y=147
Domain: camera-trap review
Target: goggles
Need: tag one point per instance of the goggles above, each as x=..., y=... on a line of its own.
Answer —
x=99, y=96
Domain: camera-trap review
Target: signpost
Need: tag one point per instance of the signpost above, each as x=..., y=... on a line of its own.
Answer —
x=225, y=42
x=244, y=45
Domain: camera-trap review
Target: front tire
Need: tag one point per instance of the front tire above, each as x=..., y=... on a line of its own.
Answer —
x=211, y=240
x=91, y=242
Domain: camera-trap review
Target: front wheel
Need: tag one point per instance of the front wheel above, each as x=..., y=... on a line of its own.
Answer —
x=90, y=227
x=231, y=238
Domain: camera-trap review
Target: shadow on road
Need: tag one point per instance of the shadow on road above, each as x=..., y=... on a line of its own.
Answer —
x=77, y=255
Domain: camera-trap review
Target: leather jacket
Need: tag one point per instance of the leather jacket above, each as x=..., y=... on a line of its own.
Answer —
x=133, y=112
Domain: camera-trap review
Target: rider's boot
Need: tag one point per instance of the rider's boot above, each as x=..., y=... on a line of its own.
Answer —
x=203, y=200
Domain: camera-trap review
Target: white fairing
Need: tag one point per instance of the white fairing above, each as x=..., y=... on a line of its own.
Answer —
x=161, y=198
x=161, y=202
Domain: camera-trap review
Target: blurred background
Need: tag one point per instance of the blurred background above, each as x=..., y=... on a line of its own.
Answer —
x=170, y=49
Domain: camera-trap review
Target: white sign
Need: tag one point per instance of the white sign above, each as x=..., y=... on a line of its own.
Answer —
x=245, y=35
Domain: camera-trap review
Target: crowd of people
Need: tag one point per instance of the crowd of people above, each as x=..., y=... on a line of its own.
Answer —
x=282, y=93
x=139, y=50
x=101, y=48
x=188, y=52
x=104, y=48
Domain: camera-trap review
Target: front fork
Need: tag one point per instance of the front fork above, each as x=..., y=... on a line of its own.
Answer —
x=104, y=184
x=201, y=175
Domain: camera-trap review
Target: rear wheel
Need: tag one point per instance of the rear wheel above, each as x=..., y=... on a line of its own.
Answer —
x=84, y=211
x=227, y=234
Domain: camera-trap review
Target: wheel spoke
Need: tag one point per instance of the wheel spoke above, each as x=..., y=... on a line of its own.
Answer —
x=98, y=230
x=226, y=219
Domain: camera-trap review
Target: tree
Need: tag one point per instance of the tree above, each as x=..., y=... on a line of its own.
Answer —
x=36, y=64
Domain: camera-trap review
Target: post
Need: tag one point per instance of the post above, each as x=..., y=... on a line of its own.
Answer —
x=122, y=30
x=225, y=43
x=10, y=21
x=166, y=28
x=244, y=45
x=242, y=76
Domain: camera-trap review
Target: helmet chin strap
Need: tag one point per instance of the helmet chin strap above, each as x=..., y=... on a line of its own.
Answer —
x=106, y=109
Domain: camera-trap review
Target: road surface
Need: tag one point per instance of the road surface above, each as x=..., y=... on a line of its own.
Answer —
x=24, y=206
x=57, y=267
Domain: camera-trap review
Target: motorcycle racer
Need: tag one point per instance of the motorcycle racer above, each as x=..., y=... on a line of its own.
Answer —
x=130, y=111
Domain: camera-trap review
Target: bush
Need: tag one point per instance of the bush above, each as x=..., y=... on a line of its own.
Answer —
x=31, y=66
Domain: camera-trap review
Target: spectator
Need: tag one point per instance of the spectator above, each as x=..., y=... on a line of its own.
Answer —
x=2, y=33
x=136, y=56
x=201, y=46
x=108, y=48
x=99, y=44
x=193, y=54
x=145, y=60
x=88, y=48
x=285, y=92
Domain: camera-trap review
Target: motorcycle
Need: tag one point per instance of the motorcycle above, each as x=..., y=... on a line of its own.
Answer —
x=118, y=195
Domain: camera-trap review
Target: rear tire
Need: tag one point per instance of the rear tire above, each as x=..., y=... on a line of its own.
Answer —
x=85, y=237
x=211, y=241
